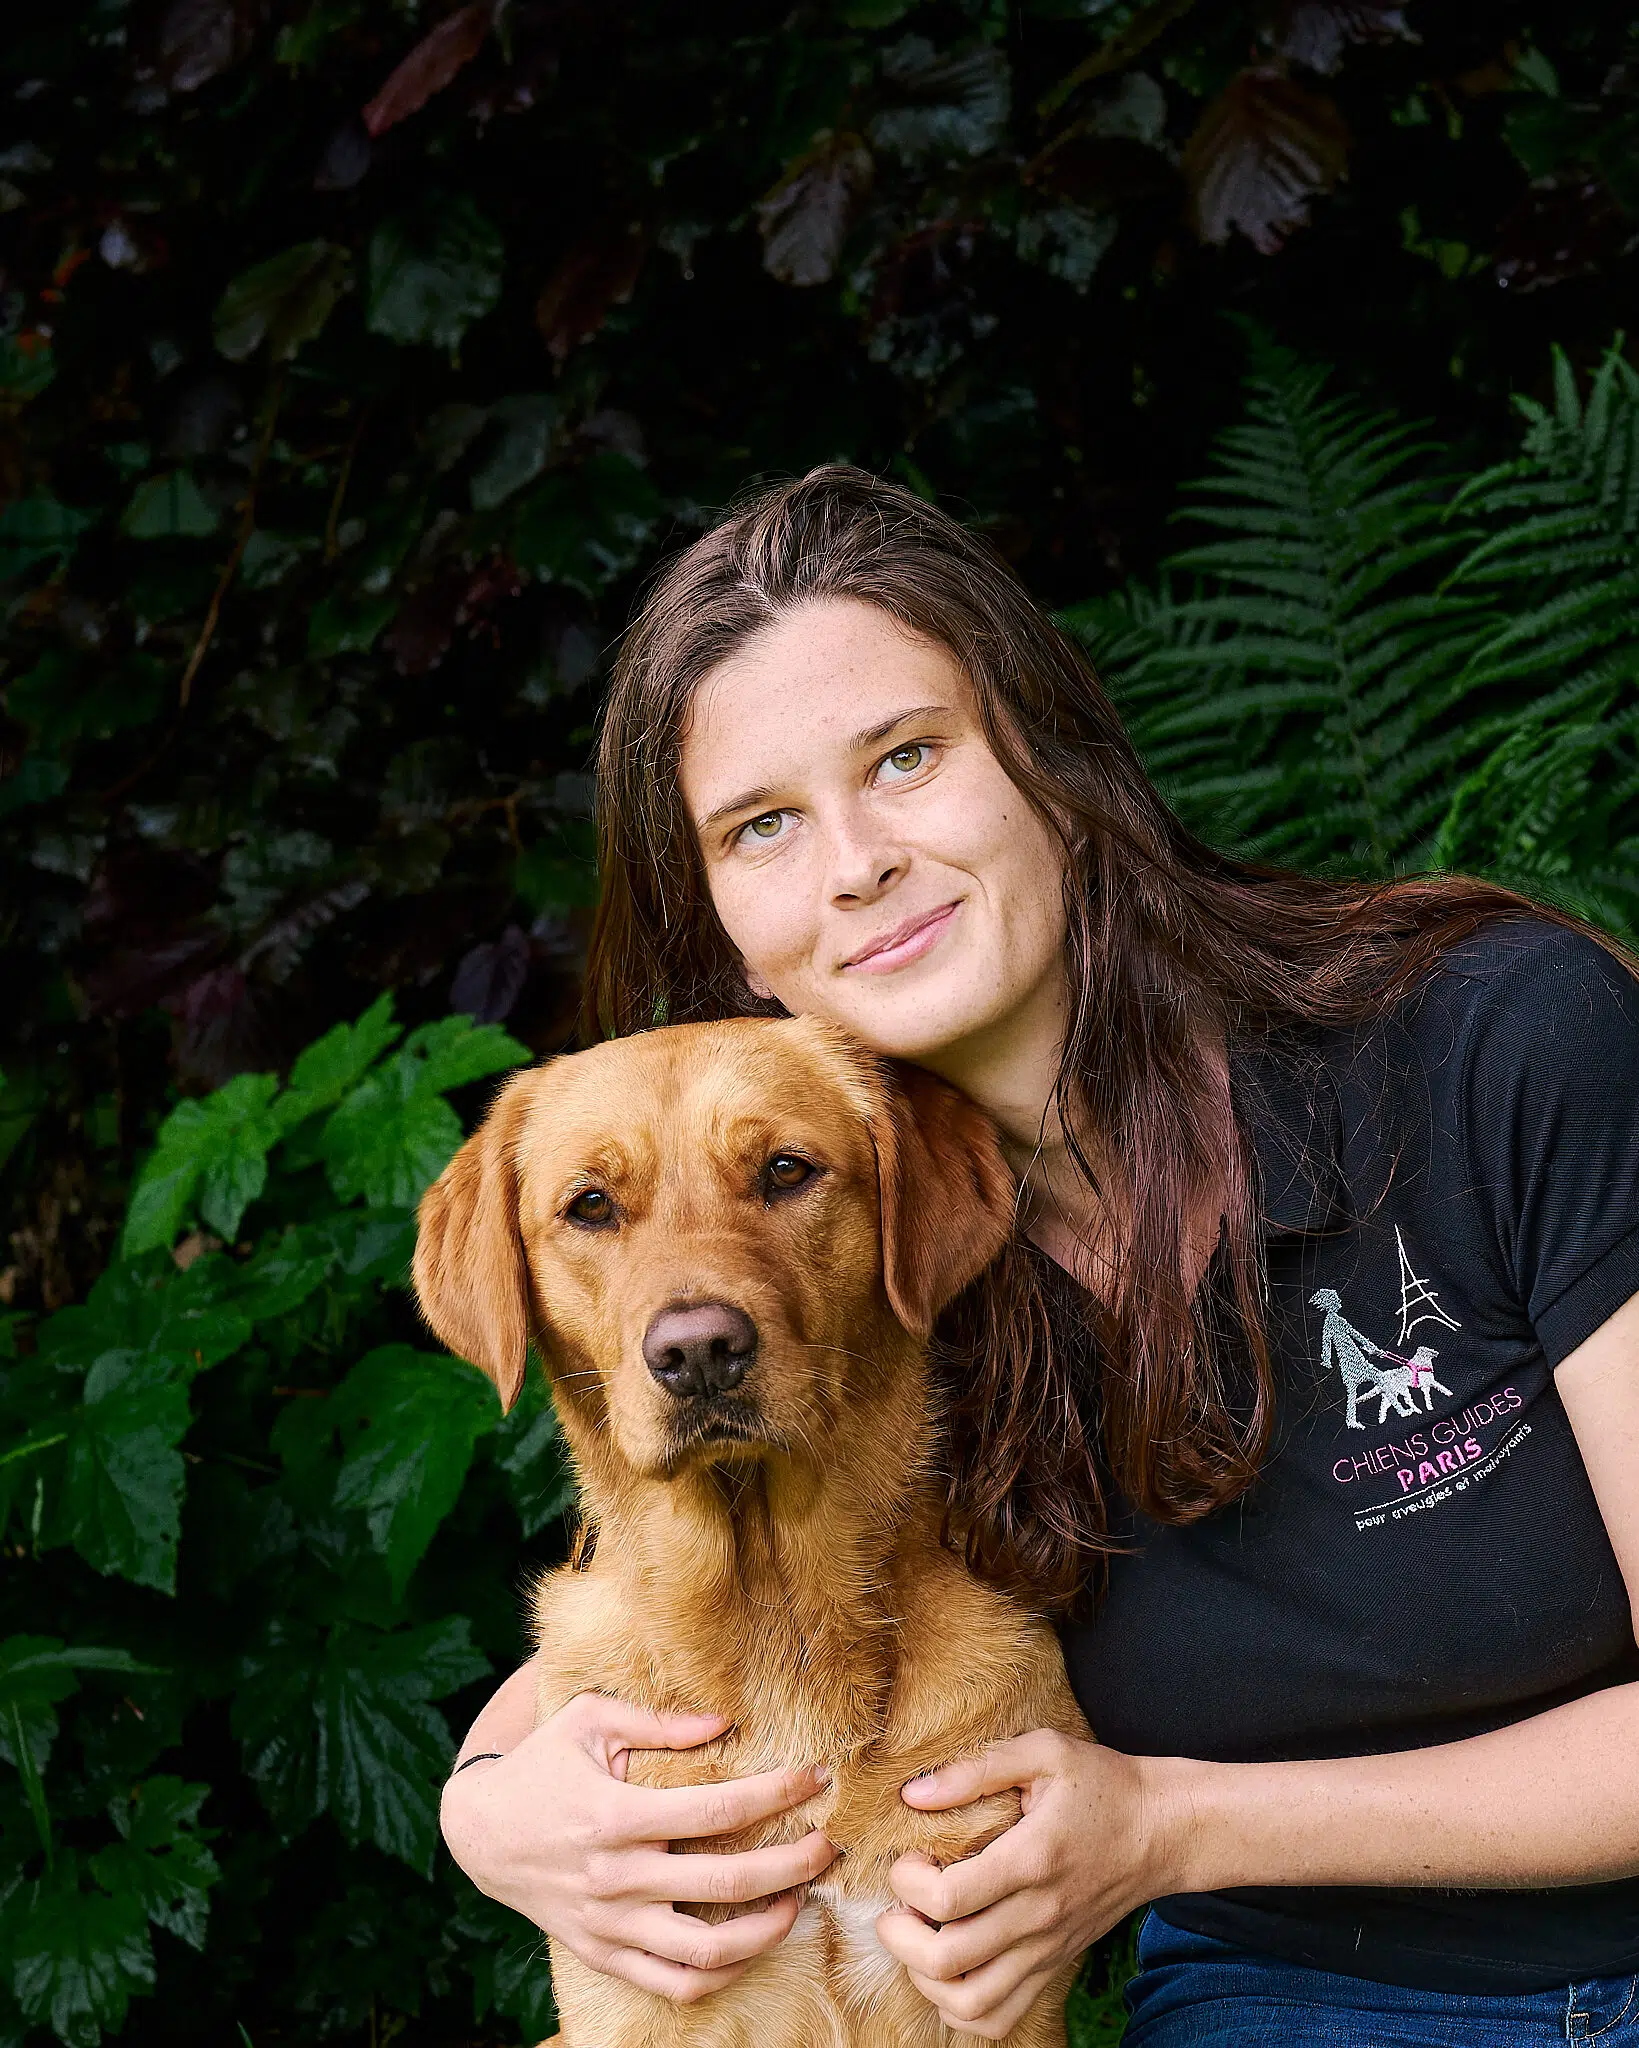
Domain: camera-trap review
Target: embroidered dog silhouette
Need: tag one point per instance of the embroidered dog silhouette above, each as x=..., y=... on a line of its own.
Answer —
x=1420, y=1365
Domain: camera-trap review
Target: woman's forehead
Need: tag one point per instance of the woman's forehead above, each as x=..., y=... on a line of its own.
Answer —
x=817, y=680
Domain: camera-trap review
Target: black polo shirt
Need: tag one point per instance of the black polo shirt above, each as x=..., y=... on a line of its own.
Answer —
x=1452, y=1204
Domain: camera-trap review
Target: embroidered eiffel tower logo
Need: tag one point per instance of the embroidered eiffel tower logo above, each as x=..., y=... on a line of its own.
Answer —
x=1418, y=1295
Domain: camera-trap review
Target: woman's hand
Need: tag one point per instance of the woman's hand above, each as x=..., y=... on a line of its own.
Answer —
x=553, y=1830
x=1081, y=1857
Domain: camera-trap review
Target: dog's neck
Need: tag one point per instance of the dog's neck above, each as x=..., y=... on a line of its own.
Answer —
x=768, y=1580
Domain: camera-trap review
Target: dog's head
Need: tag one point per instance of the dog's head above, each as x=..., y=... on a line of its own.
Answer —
x=713, y=1233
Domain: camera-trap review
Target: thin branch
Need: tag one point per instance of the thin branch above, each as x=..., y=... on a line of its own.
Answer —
x=247, y=526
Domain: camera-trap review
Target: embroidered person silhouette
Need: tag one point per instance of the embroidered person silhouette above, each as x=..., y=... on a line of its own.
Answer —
x=1341, y=1344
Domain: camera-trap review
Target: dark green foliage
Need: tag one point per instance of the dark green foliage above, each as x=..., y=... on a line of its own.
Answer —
x=293, y=1529
x=1387, y=666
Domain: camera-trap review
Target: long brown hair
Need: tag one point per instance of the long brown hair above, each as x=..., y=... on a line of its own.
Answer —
x=1172, y=947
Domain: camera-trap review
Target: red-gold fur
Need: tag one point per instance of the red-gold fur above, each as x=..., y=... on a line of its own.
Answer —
x=796, y=1583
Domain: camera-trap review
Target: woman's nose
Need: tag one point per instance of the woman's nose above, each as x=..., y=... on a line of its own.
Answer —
x=862, y=865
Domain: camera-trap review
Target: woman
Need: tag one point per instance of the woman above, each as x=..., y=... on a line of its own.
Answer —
x=1309, y=1393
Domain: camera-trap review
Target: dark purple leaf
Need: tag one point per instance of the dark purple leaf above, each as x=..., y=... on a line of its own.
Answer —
x=346, y=157
x=1315, y=33
x=491, y=977
x=806, y=218
x=221, y=1029
x=1261, y=151
x=199, y=39
x=1561, y=229
x=597, y=272
x=430, y=66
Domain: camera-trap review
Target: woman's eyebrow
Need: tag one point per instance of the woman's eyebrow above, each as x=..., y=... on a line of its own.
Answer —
x=873, y=733
x=764, y=793
x=746, y=800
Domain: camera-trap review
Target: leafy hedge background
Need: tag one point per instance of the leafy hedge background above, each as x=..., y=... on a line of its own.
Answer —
x=357, y=361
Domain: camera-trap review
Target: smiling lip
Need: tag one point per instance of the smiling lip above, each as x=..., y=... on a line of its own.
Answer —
x=906, y=942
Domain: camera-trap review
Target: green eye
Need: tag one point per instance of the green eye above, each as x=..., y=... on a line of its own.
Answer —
x=788, y=1170
x=592, y=1207
x=907, y=759
x=767, y=826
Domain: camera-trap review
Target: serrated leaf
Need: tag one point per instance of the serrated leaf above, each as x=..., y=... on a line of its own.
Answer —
x=456, y=1051
x=346, y=1725
x=951, y=104
x=432, y=275
x=284, y=301
x=217, y=1146
x=805, y=219
x=334, y=1063
x=408, y=1420
x=77, y=1957
x=394, y=1134
x=516, y=453
x=36, y=1673
x=168, y=507
x=118, y=1498
x=162, y=1860
x=528, y=1448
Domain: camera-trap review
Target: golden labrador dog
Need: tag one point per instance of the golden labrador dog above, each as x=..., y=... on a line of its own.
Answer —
x=729, y=1243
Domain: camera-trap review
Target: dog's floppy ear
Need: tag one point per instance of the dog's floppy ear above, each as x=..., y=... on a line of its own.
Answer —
x=947, y=1195
x=470, y=1275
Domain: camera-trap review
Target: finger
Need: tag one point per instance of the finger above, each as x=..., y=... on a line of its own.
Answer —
x=989, y=2000
x=946, y=1953
x=609, y=1725
x=1004, y=1767
x=680, y=1938
x=733, y=1879
x=966, y=1887
x=666, y=1980
x=684, y=1813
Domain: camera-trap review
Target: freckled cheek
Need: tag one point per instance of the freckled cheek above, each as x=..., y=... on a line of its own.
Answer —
x=769, y=917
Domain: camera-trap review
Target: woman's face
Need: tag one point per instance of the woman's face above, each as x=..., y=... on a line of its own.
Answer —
x=866, y=853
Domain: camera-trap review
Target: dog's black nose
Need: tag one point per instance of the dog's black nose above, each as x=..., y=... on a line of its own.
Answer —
x=704, y=1349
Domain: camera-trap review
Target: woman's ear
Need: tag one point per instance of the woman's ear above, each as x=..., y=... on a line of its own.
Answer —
x=948, y=1197
x=471, y=1277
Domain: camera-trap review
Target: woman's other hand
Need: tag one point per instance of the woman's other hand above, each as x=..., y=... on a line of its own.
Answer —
x=553, y=1830
x=1082, y=1856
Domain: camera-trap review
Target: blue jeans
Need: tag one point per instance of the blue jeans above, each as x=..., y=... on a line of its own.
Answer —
x=1194, y=1992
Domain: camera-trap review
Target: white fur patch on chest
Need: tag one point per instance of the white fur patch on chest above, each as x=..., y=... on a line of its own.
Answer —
x=867, y=1967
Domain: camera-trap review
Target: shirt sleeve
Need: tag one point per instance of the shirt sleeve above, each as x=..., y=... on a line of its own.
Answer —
x=1551, y=1106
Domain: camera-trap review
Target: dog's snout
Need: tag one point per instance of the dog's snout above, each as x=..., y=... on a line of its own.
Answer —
x=704, y=1349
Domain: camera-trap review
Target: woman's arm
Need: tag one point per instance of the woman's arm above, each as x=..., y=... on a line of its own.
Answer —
x=1551, y=1800
x=550, y=1827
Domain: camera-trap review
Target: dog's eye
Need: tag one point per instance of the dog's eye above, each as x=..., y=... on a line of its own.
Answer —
x=787, y=1170
x=594, y=1206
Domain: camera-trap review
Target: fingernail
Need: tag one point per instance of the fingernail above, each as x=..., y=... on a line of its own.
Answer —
x=822, y=1774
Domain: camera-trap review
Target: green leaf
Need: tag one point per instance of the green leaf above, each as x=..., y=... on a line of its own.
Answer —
x=432, y=275
x=168, y=507
x=36, y=1673
x=409, y=1420
x=39, y=529
x=217, y=1146
x=341, y=624
x=77, y=1957
x=584, y=527
x=119, y=1496
x=284, y=301
x=26, y=366
x=517, y=453
x=345, y=1725
x=529, y=1450
x=337, y=1061
x=161, y=1859
x=394, y=1134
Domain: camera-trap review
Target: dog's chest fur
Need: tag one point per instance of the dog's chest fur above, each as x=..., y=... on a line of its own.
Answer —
x=935, y=1667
